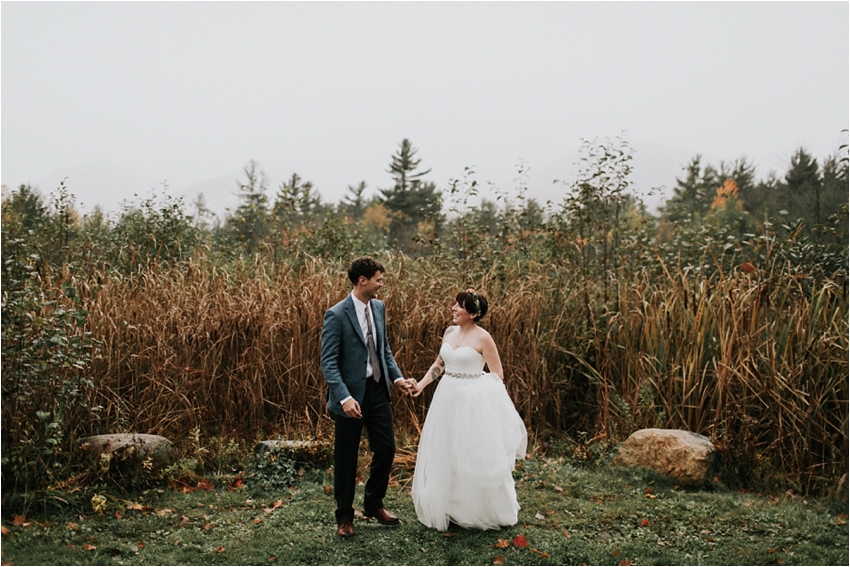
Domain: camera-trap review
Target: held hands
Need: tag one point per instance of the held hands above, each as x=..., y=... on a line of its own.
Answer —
x=408, y=386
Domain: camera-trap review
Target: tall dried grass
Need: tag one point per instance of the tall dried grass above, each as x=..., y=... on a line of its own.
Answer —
x=755, y=362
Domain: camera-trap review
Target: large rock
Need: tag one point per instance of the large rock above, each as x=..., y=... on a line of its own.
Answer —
x=682, y=455
x=161, y=451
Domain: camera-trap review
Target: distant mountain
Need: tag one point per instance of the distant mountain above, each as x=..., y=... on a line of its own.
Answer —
x=111, y=184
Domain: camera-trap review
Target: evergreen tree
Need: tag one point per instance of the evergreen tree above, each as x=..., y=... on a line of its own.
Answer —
x=411, y=200
x=250, y=224
x=802, y=188
x=693, y=195
x=354, y=203
x=296, y=202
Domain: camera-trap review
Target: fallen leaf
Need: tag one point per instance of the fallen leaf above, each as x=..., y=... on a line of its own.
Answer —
x=185, y=520
x=205, y=485
x=140, y=545
x=644, y=523
x=4, y=529
x=771, y=550
x=567, y=534
x=237, y=484
x=73, y=526
x=503, y=543
x=257, y=520
x=20, y=521
x=649, y=490
x=558, y=488
x=164, y=512
x=705, y=532
x=273, y=558
x=135, y=506
x=208, y=527
x=88, y=547
x=70, y=546
x=520, y=541
x=498, y=560
x=626, y=562
x=118, y=514
x=541, y=554
x=219, y=549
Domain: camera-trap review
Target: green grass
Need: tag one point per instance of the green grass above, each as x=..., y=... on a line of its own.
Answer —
x=569, y=516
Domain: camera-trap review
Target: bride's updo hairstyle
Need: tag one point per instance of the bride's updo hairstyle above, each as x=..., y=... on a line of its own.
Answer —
x=474, y=303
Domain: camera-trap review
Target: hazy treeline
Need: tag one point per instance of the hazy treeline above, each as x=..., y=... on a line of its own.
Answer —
x=726, y=314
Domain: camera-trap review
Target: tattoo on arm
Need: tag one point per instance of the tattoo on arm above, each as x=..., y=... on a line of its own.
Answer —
x=435, y=374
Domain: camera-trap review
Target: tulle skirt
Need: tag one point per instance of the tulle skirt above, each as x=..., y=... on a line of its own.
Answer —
x=469, y=445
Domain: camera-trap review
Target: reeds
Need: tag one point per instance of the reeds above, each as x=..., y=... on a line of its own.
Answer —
x=757, y=363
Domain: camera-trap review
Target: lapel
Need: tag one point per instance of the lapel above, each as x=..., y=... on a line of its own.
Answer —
x=352, y=317
x=379, y=327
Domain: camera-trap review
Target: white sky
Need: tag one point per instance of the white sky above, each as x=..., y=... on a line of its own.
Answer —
x=120, y=97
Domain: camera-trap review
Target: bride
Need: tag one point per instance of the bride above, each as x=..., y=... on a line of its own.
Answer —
x=472, y=435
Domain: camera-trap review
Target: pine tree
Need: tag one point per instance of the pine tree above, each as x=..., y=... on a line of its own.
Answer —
x=250, y=223
x=411, y=200
x=693, y=195
x=354, y=203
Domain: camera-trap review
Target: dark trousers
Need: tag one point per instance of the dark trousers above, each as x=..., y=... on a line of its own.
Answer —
x=378, y=419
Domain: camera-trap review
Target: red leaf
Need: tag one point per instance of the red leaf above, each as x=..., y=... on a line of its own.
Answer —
x=644, y=523
x=503, y=543
x=140, y=545
x=748, y=268
x=73, y=526
x=206, y=485
x=520, y=541
x=219, y=549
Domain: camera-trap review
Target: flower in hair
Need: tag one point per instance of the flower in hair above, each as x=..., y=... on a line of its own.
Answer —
x=474, y=299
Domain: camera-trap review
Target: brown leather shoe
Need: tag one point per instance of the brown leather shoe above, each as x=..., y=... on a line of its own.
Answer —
x=382, y=516
x=345, y=529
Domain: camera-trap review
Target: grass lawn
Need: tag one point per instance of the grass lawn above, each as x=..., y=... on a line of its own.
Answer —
x=569, y=516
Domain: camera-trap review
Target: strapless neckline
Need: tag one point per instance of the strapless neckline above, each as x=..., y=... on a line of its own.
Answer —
x=458, y=348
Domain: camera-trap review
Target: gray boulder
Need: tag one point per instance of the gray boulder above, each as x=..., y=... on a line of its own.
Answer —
x=127, y=446
x=684, y=456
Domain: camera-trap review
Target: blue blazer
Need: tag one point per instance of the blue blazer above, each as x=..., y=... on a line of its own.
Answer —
x=344, y=352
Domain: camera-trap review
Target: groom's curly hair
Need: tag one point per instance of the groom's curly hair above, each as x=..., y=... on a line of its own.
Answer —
x=473, y=302
x=366, y=267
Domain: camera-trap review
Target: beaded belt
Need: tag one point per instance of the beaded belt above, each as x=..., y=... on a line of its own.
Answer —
x=461, y=375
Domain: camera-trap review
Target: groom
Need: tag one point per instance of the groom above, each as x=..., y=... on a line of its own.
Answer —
x=358, y=366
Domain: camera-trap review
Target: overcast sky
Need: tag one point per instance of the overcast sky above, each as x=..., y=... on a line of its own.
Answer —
x=122, y=97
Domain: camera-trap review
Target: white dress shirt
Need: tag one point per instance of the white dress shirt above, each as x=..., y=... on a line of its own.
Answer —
x=360, y=309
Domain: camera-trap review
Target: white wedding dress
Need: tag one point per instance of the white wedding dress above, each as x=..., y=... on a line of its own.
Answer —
x=468, y=448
